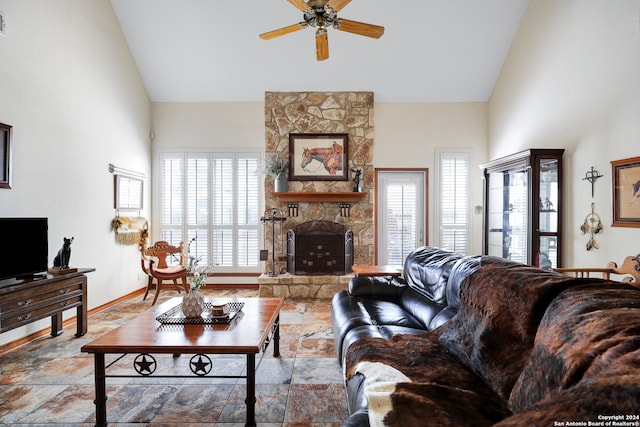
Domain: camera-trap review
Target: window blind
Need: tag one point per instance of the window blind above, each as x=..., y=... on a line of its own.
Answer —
x=212, y=201
x=454, y=200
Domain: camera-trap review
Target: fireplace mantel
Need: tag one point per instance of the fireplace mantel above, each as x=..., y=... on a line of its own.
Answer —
x=319, y=197
x=344, y=198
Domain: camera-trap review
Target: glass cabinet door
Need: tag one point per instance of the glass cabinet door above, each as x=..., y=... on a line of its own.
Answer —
x=522, y=219
x=508, y=214
x=547, y=256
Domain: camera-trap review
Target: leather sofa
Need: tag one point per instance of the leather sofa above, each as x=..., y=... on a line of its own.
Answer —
x=423, y=299
x=480, y=341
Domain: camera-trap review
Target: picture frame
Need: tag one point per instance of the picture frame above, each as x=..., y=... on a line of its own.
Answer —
x=128, y=192
x=318, y=157
x=626, y=192
x=6, y=134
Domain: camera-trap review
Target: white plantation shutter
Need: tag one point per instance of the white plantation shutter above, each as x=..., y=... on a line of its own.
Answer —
x=454, y=200
x=211, y=200
x=247, y=212
x=223, y=210
x=401, y=196
x=171, y=198
x=401, y=221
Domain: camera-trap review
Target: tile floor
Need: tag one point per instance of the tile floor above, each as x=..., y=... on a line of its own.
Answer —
x=49, y=382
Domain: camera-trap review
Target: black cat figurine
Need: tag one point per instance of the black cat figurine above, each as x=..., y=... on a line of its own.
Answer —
x=64, y=254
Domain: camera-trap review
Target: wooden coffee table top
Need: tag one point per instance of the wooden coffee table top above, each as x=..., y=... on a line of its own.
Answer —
x=374, y=270
x=246, y=334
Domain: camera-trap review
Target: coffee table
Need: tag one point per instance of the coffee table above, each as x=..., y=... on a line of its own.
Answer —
x=249, y=333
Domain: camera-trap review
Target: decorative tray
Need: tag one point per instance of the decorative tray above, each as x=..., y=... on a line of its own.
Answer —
x=175, y=316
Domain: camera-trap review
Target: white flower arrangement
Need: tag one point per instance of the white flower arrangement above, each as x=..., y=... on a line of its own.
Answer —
x=198, y=275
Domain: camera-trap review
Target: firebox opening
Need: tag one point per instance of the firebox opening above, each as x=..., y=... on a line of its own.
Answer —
x=319, y=247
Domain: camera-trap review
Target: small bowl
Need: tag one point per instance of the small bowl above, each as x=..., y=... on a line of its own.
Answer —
x=220, y=310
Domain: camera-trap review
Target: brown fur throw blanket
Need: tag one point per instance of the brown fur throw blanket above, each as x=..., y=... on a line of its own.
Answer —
x=525, y=345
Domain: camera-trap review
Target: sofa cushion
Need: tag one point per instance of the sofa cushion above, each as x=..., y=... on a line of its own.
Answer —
x=427, y=270
x=589, y=335
x=460, y=272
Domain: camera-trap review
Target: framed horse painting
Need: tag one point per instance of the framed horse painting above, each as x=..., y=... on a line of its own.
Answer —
x=626, y=192
x=318, y=156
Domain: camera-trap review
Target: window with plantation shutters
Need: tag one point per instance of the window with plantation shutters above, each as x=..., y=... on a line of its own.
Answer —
x=211, y=202
x=454, y=200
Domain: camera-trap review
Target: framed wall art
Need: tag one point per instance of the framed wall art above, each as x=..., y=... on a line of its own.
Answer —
x=318, y=156
x=626, y=192
x=128, y=192
x=5, y=155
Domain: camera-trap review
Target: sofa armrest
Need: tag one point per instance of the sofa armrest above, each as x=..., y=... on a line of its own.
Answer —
x=376, y=287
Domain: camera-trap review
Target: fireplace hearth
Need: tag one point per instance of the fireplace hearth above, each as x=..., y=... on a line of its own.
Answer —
x=319, y=247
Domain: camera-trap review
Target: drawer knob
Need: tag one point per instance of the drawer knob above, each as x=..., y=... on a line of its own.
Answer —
x=23, y=303
x=64, y=303
x=25, y=317
x=64, y=291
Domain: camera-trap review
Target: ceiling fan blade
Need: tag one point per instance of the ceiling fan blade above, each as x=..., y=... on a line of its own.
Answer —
x=282, y=31
x=300, y=4
x=338, y=5
x=322, y=44
x=360, y=28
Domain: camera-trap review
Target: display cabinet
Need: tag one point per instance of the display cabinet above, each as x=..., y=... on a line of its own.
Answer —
x=523, y=207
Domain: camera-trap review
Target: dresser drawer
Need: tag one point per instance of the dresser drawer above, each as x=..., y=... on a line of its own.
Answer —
x=13, y=319
x=26, y=299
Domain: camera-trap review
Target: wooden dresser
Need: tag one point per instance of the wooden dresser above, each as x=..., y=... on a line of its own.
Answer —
x=25, y=301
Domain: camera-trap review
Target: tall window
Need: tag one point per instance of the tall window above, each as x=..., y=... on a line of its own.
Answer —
x=454, y=199
x=212, y=200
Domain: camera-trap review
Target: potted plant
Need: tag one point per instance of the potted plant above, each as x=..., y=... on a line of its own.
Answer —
x=277, y=168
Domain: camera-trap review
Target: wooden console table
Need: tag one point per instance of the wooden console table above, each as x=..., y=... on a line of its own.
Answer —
x=25, y=301
x=374, y=270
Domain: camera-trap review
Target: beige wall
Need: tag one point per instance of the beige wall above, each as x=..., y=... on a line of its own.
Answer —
x=572, y=81
x=406, y=135
x=72, y=93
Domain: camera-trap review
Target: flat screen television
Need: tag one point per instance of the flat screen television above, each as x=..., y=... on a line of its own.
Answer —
x=24, y=247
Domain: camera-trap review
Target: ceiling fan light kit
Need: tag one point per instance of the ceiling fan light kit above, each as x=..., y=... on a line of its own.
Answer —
x=323, y=14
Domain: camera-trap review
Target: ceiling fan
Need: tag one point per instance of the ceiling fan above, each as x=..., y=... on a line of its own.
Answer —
x=323, y=14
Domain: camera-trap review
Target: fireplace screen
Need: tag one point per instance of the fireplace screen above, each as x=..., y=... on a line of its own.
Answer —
x=319, y=247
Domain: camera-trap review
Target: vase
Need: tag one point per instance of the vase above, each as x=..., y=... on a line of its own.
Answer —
x=280, y=183
x=193, y=304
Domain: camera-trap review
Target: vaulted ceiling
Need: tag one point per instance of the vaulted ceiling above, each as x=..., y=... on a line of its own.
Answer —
x=209, y=50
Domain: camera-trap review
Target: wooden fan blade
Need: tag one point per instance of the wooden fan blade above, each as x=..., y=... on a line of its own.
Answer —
x=282, y=31
x=322, y=45
x=338, y=5
x=300, y=4
x=360, y=28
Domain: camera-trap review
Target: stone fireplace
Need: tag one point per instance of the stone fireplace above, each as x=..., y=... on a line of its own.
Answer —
x=324, y=113
x=319, y=247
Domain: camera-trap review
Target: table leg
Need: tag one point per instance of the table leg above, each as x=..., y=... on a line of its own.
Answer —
x=101, y=390
x=251, y=391
x=56, y=324
x=276, y=337
x=81, y=319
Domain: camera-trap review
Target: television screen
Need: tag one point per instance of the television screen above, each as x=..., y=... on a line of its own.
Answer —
x=24, y=247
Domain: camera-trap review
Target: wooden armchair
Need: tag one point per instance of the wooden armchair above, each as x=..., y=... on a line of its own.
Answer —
x=154, y=264
x=630, y=267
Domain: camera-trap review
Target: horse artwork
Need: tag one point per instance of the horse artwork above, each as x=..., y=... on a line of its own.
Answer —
x=315, y=159
x=329, y=157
